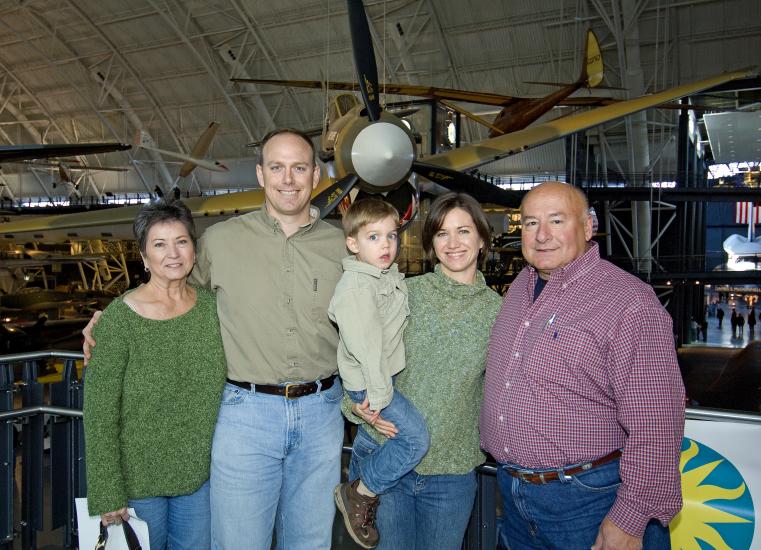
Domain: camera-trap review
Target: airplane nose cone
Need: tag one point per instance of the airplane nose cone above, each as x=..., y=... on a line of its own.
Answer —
x=382, y=154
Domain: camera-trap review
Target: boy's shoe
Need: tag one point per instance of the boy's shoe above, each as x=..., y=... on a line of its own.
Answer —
x=358, y=512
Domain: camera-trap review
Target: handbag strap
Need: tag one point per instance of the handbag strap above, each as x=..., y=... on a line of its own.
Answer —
x=129, y=534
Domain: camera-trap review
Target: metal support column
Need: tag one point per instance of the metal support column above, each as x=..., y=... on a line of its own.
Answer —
x=7, y=459
x=67, y=453
x=31, y=457
x=482, y=529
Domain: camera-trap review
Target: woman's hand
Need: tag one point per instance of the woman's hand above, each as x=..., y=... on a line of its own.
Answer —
x=115, y=517
x=374, y=418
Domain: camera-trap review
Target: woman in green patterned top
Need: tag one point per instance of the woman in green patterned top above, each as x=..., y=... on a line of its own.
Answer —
x=451, y=314
x=152, y=391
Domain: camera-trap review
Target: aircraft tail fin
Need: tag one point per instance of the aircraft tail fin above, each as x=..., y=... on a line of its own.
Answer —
x=144, y=139
x=592, y=67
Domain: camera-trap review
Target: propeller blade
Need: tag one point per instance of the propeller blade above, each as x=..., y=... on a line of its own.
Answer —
x=464, y=183
x=364, y=58
x=333, y=195
x=406, y=200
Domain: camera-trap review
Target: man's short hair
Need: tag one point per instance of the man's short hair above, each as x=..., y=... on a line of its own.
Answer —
x=161, y=211
x=365, y=211
x=442, y=206
x=279, y=131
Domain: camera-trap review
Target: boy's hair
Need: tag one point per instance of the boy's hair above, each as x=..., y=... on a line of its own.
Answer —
x=366, y=211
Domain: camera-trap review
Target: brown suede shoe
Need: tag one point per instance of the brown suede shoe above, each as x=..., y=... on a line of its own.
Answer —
x=358, y=512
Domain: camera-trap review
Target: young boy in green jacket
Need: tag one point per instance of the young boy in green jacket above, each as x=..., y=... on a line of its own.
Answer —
x=370, y=308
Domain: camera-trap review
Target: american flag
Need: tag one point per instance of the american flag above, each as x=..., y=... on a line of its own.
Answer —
x=744, y=211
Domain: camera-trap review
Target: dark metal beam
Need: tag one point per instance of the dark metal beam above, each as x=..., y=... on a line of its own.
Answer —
x=692, y=194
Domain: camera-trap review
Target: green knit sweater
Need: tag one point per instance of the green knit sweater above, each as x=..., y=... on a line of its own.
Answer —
x=152, y=393
x=445, y=342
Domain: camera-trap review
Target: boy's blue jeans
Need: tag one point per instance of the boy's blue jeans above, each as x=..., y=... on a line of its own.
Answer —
x=398, y=455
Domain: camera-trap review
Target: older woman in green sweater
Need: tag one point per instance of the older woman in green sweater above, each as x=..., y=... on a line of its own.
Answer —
x=451, y=314
x=152, y=391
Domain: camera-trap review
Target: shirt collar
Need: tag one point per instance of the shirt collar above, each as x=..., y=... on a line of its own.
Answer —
x=577, y=268
x=273, y=223
x=351, y=263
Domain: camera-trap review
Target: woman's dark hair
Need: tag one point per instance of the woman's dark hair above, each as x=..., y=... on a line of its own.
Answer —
x=439, y=210
x=160, y=211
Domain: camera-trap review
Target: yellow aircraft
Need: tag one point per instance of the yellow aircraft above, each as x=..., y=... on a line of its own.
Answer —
x=373, y=150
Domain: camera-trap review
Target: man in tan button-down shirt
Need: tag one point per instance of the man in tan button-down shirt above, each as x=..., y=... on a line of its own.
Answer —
x=276, y=453
x=275, y=458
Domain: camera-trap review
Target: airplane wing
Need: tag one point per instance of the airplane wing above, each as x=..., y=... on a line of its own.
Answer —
x=398, y=89
x=116, y=223
x=478, y=154
x=37, y=151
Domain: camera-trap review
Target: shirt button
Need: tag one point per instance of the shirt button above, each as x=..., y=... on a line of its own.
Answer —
x=506, y=450
x=291, y=363
x=501, y=418
x=526, y=323
x=564, y=286
x=288, y=269
x=507, y=384
x=516, y=354
x=287, y=299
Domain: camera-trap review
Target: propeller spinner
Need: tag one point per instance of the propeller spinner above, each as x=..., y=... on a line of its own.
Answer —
x=376, y=150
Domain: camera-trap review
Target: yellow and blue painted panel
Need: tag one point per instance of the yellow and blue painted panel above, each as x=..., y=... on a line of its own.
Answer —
x=721, y=487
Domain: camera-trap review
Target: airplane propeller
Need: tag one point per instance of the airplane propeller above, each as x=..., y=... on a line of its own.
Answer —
x=381, y=151
x=364, y=58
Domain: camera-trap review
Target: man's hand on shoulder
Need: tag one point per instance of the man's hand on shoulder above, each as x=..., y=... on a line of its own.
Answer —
x=89, y=341
x=612, y=537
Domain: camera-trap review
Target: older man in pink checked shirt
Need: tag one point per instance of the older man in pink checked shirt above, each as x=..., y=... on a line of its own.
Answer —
x=584, y=403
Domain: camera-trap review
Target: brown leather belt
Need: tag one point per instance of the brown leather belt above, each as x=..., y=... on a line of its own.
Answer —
x=545, y=476
x=289, y=391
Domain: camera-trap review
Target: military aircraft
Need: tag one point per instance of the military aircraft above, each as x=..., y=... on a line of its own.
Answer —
x=516, y=113
x=373, y=150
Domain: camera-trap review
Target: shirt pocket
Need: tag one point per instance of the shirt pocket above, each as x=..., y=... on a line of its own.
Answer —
x=564, y=357
x=321, y=291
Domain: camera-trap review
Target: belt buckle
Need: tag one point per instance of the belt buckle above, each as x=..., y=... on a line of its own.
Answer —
x=288, y=388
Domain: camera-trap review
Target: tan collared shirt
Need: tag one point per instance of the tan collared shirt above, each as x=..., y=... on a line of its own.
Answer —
x=273, y=293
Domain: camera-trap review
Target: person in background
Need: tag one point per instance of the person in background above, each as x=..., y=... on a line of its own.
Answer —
x=451, y=313
x=370, y=308
x=569, y=395
x=152, y=391
x=752, y=321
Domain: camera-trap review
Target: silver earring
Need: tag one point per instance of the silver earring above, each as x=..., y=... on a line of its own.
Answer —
x=146, y=268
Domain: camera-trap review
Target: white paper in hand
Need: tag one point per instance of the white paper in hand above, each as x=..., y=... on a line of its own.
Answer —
x=89, y=529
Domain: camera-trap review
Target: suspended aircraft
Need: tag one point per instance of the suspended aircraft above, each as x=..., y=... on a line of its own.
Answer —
x=145, y=141
x=373, y=150
x=10, y=153
x=516, y=113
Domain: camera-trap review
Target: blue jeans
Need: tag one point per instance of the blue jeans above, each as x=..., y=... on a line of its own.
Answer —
x=383, y=469
x=274, y=464
x=179, y=523
x=420, y=512
x=564, y=514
